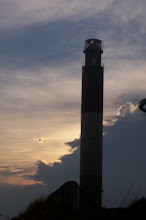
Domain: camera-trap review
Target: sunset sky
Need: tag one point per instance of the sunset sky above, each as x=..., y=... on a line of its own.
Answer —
x=41, y=57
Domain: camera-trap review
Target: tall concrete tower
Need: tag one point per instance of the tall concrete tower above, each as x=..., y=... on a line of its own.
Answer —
x=91, y=124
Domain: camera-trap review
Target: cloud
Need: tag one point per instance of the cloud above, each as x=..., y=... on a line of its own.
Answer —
x=17, y=176
x=42, y=62
x=18, y=180
x=58, y=173
x=40, y=82
x=126, y=109
x=6, y=170
x=123, y=162
x=123, y=159
x=22, y=196
x=73, y=144
x=22, y=13
x=59, y=41
x=33, y=11
x=127, y=11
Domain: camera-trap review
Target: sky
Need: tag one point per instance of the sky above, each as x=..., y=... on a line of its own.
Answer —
x=41, y=58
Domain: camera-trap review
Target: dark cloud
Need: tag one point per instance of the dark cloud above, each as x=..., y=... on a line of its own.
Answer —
x=123, y=164
x=74, y=144
x=15, y=199
x=39, y=45
x=61, y=41
x=59, y=173
x=123, y=160
x=133, y=97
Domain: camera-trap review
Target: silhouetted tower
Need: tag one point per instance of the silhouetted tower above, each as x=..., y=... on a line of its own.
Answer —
x=91, y=124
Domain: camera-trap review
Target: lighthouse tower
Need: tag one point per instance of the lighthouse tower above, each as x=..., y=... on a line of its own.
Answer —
x=91, y=125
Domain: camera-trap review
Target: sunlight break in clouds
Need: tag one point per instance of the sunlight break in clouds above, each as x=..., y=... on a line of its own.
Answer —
x=127, y=109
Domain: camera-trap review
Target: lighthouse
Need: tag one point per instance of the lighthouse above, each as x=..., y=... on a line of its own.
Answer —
x=91, y=125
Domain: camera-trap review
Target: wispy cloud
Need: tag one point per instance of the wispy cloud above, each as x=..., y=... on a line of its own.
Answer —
x=18, y=181
x=17, y=176
x=20, y=13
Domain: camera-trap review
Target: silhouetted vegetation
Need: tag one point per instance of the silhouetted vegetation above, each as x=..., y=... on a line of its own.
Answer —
x=61, y=209
x=46, y=208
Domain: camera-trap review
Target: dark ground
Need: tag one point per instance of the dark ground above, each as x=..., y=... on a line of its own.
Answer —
x=55, y=209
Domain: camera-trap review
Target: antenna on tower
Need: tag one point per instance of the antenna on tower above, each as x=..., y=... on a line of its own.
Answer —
x=125, y=199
